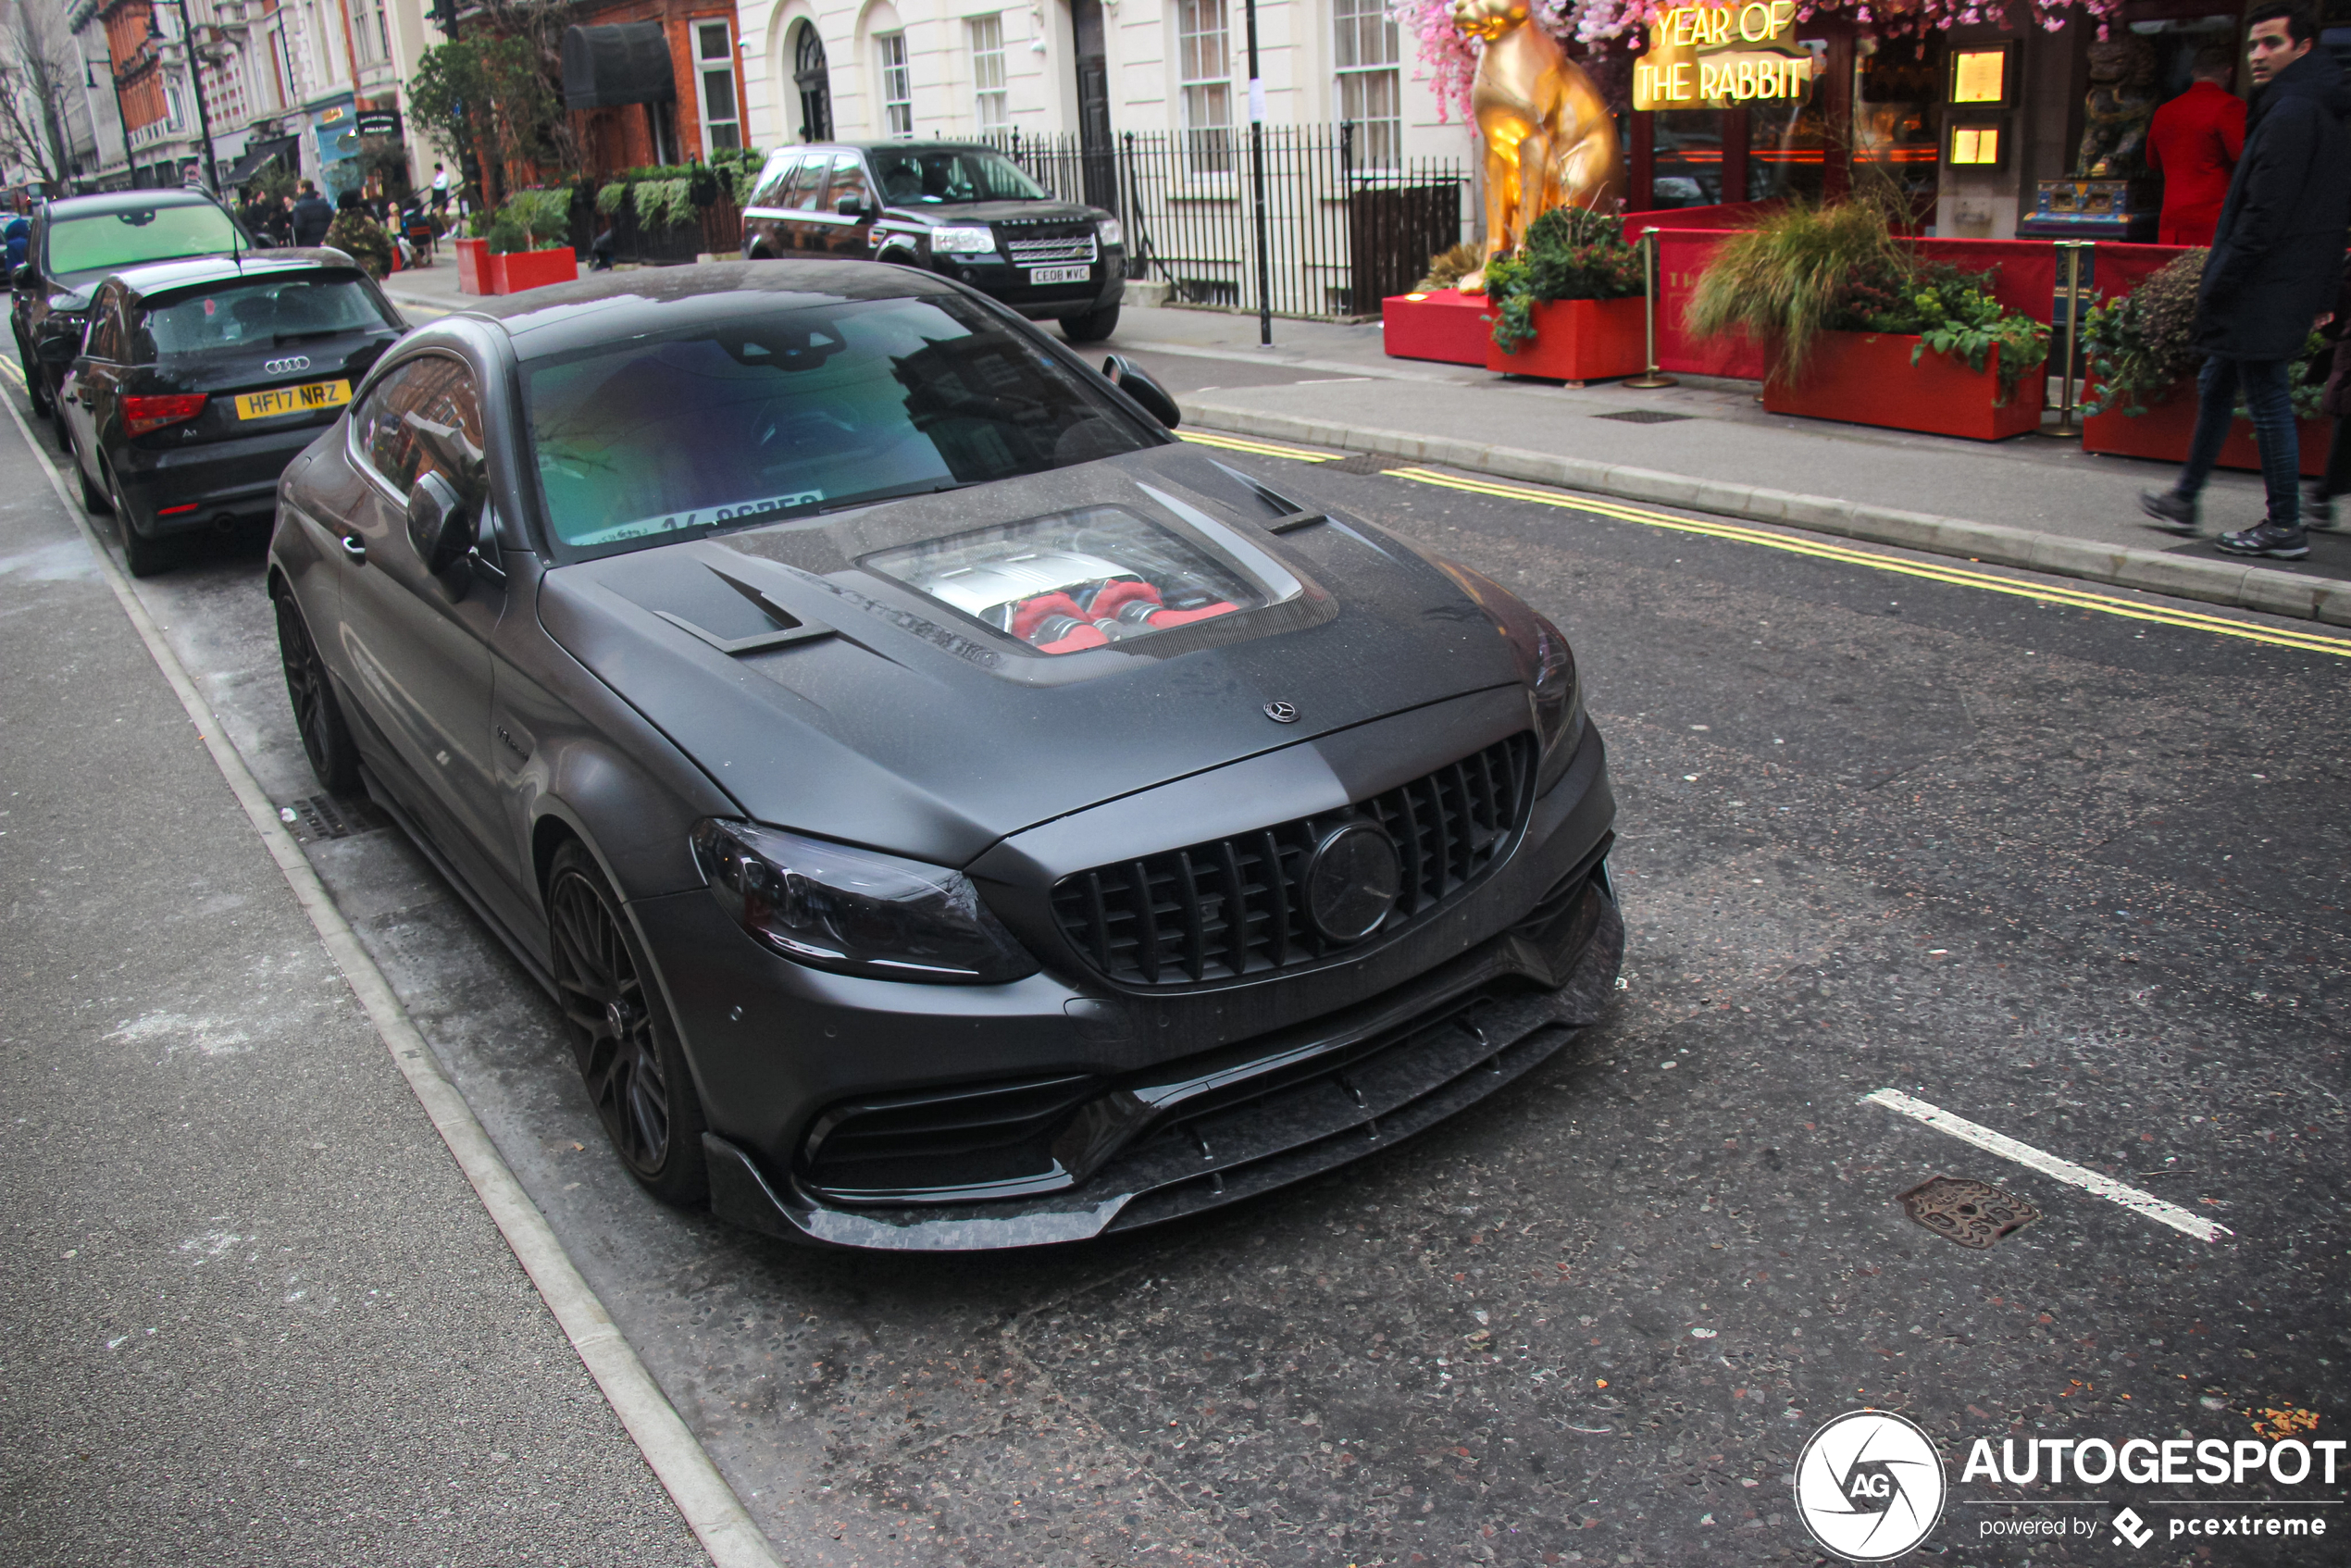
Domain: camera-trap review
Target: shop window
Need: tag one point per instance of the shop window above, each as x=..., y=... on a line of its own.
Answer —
x=990, y=103
x=1897, y=114
x=1687, y=166
x=1370, y=95
x=722, y=129
x=1788, y=144
x=1204, y=60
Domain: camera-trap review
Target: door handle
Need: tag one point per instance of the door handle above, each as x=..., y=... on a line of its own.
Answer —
x=355, y=548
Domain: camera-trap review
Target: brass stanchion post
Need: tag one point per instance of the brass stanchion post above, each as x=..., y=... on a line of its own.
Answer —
x=1651, y=378
x=2066, y=427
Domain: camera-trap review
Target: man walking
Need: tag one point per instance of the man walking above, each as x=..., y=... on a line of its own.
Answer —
x=2195, y=141
x=2277, y=257
x=312, y=217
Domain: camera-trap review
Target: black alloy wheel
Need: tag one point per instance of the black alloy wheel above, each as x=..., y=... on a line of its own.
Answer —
x=143, y=555
x=326, y=739
x=620, y=1033
x=94, y=500
x=36, y=386
x=1091, y=327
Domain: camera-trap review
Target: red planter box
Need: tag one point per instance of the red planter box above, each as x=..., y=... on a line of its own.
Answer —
x=517, y=270
x=1576, y=340
x=1867, y=379
x=1443, y=324
x=473, y=266
x=2164, y=430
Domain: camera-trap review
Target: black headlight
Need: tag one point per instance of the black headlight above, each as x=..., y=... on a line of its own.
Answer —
x=1559, y=701
x=853, y=910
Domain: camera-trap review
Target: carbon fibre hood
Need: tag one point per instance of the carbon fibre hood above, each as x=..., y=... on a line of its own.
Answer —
x=825, y=696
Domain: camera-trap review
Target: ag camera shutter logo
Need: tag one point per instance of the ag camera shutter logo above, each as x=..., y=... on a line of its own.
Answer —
x=1869, y=1485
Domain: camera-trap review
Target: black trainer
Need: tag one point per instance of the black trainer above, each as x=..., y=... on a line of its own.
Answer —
x=2169, y=509
x=2317, y=508
x=2276, y=540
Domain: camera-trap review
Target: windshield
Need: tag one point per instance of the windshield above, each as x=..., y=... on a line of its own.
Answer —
x=799, y=409
x=270, y=311
x=945, y=176
x=104, y=241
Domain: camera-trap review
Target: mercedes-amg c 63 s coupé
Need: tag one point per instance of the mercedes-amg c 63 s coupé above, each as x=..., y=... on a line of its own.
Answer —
x=949, y=811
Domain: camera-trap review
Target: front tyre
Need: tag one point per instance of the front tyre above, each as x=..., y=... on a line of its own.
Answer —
x=1090, y=326
x=621, y=1035
x=326, y=739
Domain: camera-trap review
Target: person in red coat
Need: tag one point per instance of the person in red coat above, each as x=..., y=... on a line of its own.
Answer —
x=2195, y=141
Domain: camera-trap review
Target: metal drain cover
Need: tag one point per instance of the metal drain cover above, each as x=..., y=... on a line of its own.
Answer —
x=1366, y=462
x=316, y=818
x=1973, y=1213
x=1644, y=417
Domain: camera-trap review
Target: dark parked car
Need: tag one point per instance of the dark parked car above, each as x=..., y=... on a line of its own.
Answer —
x=77, y=242
x=964, y=212
x=949, y=811
x=199, y=380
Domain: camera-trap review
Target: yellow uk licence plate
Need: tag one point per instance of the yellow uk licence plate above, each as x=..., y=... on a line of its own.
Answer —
x=306, y=399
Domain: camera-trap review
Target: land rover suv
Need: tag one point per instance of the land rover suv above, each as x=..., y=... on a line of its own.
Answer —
x=965, y=211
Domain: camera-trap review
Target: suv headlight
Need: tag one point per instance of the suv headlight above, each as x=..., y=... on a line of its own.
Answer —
x=953, y=239
x=1108, y=232
x=853, y=910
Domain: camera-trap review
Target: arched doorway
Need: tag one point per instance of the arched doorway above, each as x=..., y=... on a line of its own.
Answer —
x=816, y=86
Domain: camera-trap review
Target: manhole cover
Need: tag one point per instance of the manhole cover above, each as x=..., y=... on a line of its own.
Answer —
x=1644, y=417
x=1366, y=462
x=315, y=817
x=1972, y=1214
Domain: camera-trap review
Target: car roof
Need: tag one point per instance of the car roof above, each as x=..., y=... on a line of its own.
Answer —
x=156, y=277
x=609, y=306
x=124, y=200
x=896, y=145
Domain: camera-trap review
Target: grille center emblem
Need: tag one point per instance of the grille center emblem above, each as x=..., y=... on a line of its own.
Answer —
x=1281, y=712
x=1352, y=880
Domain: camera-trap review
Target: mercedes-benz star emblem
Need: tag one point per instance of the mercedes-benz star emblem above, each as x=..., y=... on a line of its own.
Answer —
x=1352, y=880
x=286, y=366
x=1281, y=712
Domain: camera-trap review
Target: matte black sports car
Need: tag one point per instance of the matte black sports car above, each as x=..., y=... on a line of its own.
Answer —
x=950, y=811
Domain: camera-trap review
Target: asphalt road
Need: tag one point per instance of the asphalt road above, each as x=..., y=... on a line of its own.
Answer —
x=2074, y=875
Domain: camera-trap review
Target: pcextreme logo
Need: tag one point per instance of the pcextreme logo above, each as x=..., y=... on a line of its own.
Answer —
x=1869, y=1485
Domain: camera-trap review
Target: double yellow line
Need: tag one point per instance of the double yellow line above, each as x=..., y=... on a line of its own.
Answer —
x=1844, y=555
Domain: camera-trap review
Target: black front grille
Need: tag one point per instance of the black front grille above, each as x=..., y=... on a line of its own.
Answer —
x=1236, y=907
x=1027, y=252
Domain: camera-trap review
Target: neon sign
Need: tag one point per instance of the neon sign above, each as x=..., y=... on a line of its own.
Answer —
x=1712, y=56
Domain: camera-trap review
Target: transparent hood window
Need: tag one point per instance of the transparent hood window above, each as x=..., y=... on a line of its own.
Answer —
x=1077, y=579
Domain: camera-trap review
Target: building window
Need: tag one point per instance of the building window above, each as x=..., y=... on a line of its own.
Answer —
x=369, y=43
x=1206, y=65
x=722, y=129
x=897, y=85
x=989, y=99
x=814, y=82
x=1370, y=95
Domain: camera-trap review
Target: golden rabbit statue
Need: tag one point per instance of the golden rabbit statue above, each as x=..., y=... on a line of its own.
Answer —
x=1550, y=139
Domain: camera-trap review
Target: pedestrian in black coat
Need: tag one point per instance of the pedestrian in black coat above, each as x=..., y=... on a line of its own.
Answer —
x=312, y=217
x=2272, y=276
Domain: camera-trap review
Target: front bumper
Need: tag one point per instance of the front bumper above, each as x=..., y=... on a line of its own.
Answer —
x=1007, y=285
x=1209, y=1132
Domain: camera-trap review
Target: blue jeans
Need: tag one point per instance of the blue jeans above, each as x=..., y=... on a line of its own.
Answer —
x=2265, y=397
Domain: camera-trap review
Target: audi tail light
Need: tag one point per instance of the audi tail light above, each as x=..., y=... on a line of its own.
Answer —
x=141, y=415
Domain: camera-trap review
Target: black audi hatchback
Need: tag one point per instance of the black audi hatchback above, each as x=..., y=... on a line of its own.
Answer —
x=949, y=811
x=962, y=211
x=199, y=380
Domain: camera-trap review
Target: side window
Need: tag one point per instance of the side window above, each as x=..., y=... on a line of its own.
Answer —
x=435, y=387
x=849, y=180
x=807, y=179
x=106, y=330
x=772, y=179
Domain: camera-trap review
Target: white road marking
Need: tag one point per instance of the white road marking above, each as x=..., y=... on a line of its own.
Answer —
x=2088, y=1180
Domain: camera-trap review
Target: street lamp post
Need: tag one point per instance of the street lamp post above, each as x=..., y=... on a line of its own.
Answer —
x=121, y=121
x=195, y=85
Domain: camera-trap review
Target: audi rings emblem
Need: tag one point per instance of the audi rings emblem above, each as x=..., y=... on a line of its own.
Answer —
x=1352, y=880
x=288, y=365
x=1281, y=712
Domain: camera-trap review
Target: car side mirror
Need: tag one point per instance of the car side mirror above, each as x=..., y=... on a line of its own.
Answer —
x=851, y=205
x=26, y=276
x=440, y=523
x=1131, y=378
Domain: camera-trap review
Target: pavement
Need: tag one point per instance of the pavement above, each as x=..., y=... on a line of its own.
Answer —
x=254, y=1313
x=2039, y=502
x=1888, y=822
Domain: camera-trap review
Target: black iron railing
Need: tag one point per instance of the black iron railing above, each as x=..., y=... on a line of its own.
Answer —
x=1342, y=236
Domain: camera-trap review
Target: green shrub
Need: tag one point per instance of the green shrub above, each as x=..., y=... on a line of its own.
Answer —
x=662, y=203
x=529, y=220
x=1570, y=254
